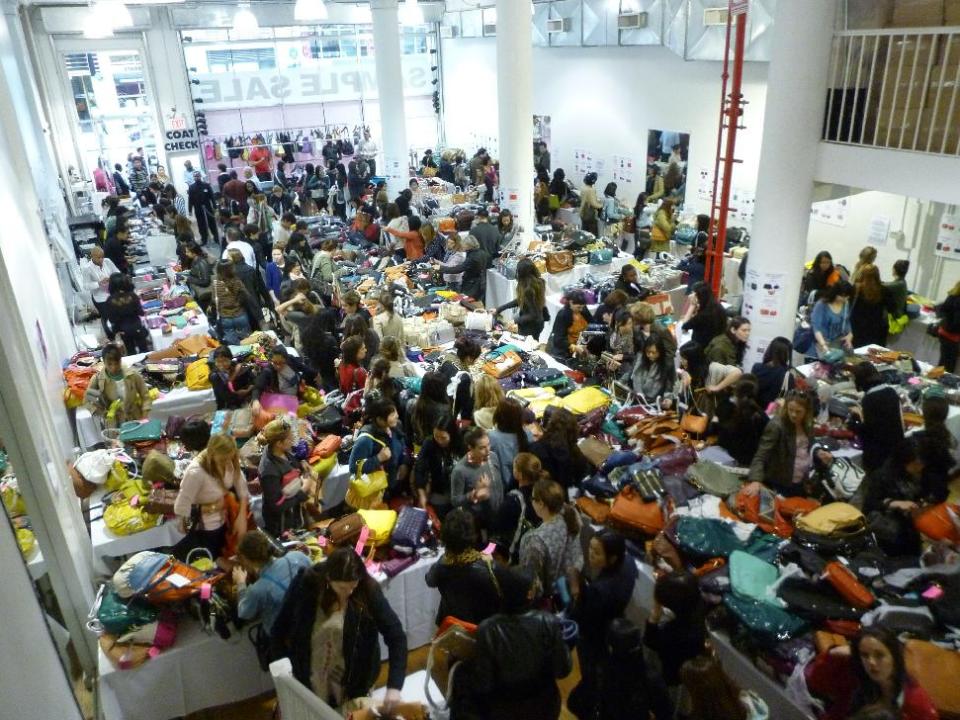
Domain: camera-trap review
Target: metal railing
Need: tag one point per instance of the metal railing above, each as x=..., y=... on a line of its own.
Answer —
x=895, y=89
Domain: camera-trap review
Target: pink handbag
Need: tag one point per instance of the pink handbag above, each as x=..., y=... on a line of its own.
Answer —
x=278, y=402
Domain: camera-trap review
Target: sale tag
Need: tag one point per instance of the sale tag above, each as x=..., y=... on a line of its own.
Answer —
x=488, y=550
x=362, y=540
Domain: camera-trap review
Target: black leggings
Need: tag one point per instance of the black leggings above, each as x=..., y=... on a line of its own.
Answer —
x=949, y=351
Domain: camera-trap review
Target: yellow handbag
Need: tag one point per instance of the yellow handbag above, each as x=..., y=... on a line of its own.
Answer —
x=121, y=518
x=198, y=375
x=381, y=524
x=586, y=400
x=26, y=541
x=831, y=518
x=325, y=466
x=366, y=489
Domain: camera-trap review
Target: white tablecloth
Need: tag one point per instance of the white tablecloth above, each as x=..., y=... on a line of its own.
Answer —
x=202, y=671
x=500, y=290
x=162, y=342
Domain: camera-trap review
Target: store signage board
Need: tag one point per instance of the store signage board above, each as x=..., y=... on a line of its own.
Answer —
x=948, y=237
x=180, y=140
x=334, y=81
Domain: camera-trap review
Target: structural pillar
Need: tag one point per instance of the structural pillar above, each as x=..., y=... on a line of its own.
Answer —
x=792, y=126
x=515, y=107
x=393, y=120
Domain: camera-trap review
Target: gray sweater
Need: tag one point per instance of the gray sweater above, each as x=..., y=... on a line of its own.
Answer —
x=464, y=479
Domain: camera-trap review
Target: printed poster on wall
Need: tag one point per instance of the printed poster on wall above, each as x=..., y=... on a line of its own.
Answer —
x=948, y=237
x=743, y=200
x=878, y=231
x=623, y=169
x=582, y=163
x=705, y=184
x=831, y=212
x=764, y=297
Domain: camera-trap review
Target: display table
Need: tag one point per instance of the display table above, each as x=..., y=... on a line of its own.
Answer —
x=161, y=248
x=162, y=342
x=202, y=671
x=501, y=290
x=107, y=544
x=179, y=401
x=914, y=339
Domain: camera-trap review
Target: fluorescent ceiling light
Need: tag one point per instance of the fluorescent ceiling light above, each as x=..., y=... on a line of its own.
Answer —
x=310, y=10
x=244, y=21
x=99, y=21
x=411, y=13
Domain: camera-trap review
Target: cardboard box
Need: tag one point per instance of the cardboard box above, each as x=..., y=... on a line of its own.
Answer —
x=895, y=122
x=903, y=94
x=942, y=81
x=910, y=48
x=951, y=13
x=917, y=13
x=951, y=53
x=869, y=14
x=934, y=127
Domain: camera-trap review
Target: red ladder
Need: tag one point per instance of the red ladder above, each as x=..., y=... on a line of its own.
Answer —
x=731, y=110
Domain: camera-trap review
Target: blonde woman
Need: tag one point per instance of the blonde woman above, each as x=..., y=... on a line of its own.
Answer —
x=286, y=484
x=487, y=395
x=868, y=256
x=208, y=479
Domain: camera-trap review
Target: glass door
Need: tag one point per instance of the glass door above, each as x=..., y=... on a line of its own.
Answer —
x=114, y=110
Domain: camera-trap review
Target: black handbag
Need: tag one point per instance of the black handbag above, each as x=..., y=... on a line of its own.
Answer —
x=816, y=601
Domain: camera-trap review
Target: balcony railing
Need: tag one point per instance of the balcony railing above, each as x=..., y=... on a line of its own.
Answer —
x=895, y=89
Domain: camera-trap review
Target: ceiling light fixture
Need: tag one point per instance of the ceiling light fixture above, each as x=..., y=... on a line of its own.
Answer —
x=306, y=10
x=99, y=22
x=244, y=21
x=411, y=13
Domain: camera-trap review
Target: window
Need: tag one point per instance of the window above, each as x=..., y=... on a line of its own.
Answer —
x=242, y=60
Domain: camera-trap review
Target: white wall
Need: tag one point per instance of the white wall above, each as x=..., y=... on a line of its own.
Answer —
x=605, y=100
x=917, y=220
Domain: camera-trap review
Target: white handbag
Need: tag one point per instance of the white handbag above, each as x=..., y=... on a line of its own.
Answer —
x=453, y=312
x=479, y=320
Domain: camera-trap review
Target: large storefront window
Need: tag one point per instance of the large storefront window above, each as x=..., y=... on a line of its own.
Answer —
x=294, y=86
x=113, y=108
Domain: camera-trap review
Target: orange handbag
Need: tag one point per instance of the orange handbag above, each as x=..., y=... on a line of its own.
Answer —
x=504, y=365
x=845, y=582
x=694, y=424
x=939, y=522
x=630, y=511
x=176, y=581
x=935, y=669
x=597, y=510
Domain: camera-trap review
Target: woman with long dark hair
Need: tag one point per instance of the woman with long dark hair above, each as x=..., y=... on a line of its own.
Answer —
x=830, y=319
x=869, y=672
x=654, y=375
x=558, y=449
x=822, y=274
x=432, y=403
x=530, y=301
x=868, y=312
x=703, y=383
x=742, y=423
x=124, y=313
x=705, y=317
x=331, y=626
x=680, y=635
x=507, y=438
x=773, y=374
x=438, y=454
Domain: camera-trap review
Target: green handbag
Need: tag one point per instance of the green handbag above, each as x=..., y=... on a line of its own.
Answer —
x=135, y=431
x=601, y=257
x=766, y=623
x=715, y=479
x=750, y=576
x=117, y=616
x=706, y=537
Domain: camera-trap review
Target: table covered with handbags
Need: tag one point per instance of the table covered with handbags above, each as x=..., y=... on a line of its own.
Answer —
x=201, y=670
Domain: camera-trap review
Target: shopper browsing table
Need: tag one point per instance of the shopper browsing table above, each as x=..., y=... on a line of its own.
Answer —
x=117, y=394
x=331, y=627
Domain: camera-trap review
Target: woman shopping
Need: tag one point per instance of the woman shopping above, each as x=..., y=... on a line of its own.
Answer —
x=287, y=485
x=830, y=320
x=530, y=302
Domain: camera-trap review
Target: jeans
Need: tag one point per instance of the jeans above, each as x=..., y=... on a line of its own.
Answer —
x=234, y=329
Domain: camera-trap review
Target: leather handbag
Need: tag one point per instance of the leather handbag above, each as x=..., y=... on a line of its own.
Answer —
x=559, y=261
x=630, y=511
x=506, y=364
x=601, y=257
x=846, y=584
x=161, y=501
x=597, y=510
x=595, y=450
x=395, y=566
x=939, y=522
x=346, y=530
x=381, y=524
x=326, y=448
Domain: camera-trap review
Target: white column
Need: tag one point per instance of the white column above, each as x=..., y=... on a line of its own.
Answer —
x=792, y=125
x=393, y=122
x=515, y=107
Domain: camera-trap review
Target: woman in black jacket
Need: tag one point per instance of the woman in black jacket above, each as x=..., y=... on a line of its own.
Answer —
x=705, y=317
x=742, y=423
x=774, y=376
x=434, y=465
x=429, y=406
x=530, y=302
x=558, y=450
x=352, y=613
x=473, y=281
x=949, y=330
x=286, y=487
x=321, y=349
x=468, y=580
x=894, y=493
x=124, y=313
x=878, y=420
x=457, y=370
x=601, y=600
x=572, y=319
x=232, y=382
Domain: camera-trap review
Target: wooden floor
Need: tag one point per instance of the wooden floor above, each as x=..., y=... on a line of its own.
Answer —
x=261, y=708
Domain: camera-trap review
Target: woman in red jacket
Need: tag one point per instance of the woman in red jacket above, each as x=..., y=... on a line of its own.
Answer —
x=412, y=239
x=869, y=673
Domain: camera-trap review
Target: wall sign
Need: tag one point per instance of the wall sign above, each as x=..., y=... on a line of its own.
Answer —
x=179, y=140
x=948, y=237
x=334, y=81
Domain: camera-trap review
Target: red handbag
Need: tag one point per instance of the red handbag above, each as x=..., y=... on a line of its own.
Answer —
x=325, y=448
x=846, y=583
x=631, y=415
x=939, y=522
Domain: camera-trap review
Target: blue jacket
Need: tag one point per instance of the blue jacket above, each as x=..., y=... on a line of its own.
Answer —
x=264, y=598
x=370, y=441
x=274, y=278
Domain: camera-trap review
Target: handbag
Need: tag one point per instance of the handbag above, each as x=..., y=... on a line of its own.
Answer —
x=290, y=484
x=279, y=403
x=694, y=424
x=896, y=325
x=846, y=584
x=750, y=576
x=601, y=257
x=597, y=510
x=706, y=537
x=715, y=479
x=935, y=669
x=767, y=623
x=630, y=511
x=135, y=431
x=596, y=451
x=586, y=400
x=380, y=523
x=160, y=501
x=453, y=643
x=505, y=364
x=454, y=313
x=939, y=522
x=409, y=529
x=345, y=530
x=479, y=320
x=115, y=616
x=559, y=261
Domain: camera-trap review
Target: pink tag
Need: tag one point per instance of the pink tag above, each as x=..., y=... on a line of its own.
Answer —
x=934, y=592
x=153, y=652
x=322, y=540
x=373, y=567
x=362, y=540
x=488, y=550
x=134, y=501
x=205, y=591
